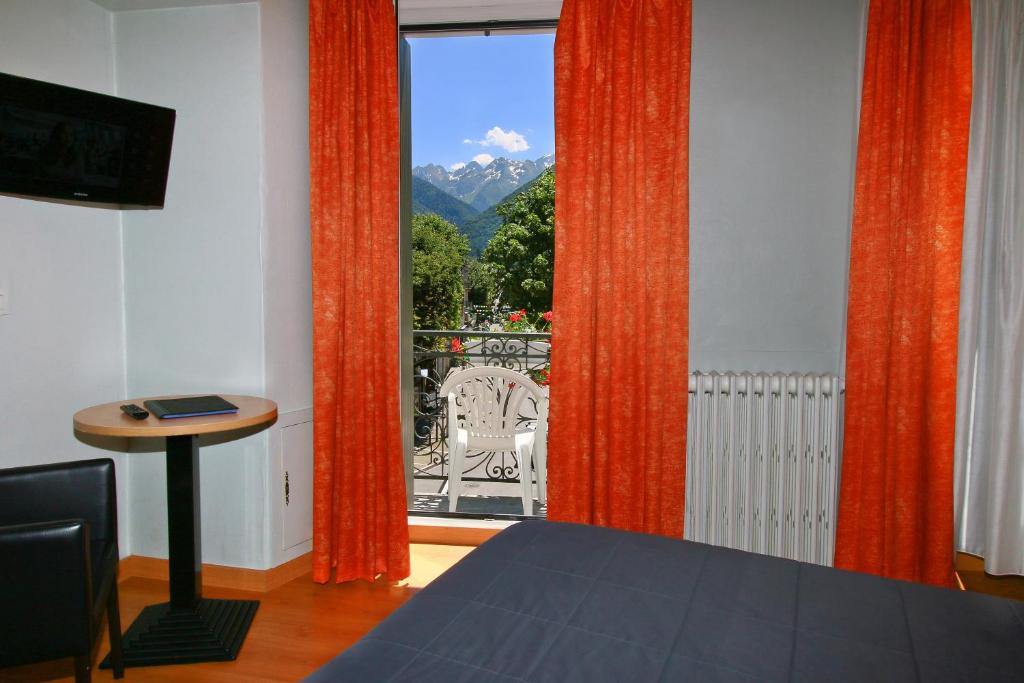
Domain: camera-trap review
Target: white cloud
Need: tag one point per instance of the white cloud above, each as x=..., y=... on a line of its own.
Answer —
x=483, y=159
x=456, y=167
x=510, y=141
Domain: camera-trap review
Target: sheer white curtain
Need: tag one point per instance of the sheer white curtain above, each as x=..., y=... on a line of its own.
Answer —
x=990, y=382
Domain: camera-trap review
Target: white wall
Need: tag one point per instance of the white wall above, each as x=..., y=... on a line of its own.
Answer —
x=62, y=345
x=210, y=294
x=286, y=269
x=193, y=273
x=287, y=278
x=772, y=124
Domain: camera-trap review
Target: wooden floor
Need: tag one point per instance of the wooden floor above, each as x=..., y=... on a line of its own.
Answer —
x=298, y=627
x=971, y=571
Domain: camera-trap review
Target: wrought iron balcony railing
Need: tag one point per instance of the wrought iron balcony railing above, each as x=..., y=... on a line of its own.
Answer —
x=436, y=353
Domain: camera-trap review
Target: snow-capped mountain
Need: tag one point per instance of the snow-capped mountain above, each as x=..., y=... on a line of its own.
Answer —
x=483, y=186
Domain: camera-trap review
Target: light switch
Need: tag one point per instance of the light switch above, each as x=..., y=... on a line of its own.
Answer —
x=5, y=302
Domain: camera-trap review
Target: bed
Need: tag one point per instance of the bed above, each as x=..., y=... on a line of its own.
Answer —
x=567, y=603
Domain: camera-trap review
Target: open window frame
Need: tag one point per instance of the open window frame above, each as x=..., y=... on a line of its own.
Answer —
x=406, y=365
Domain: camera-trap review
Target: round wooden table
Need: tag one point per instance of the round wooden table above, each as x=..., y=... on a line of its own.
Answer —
x=189, y=628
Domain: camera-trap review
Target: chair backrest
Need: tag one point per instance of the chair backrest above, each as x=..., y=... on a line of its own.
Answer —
x=51, y=513
x=489, y=401
x=83, y=489
x=46, y=596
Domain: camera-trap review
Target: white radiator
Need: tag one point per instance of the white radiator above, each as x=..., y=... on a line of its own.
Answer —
x=762, y=463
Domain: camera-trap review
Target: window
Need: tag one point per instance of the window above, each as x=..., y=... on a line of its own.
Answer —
x=480, y=117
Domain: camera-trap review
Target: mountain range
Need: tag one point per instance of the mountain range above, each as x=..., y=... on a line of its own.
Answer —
x=484, y=186
x=468, y=195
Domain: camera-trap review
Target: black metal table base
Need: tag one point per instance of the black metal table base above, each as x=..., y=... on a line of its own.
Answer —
x=212, y=631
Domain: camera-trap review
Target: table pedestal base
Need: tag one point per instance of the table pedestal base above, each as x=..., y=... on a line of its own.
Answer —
x=212, y=631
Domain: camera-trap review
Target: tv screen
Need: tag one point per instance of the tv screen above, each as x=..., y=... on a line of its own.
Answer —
x=68, y=144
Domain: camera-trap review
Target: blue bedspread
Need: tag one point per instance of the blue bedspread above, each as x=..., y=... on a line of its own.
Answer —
x=565, y=603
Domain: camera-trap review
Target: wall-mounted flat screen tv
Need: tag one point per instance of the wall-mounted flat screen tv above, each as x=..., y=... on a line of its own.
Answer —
x=74, y=145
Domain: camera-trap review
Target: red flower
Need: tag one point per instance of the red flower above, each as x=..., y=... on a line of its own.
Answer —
x=541, y=376
x=457, y=345
x=522, y=311
x=515, y=317
x=548, y=316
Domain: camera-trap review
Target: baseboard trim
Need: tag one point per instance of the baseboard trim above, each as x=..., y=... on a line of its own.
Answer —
x=266, y=580
x=219, y=576
x=449, y=535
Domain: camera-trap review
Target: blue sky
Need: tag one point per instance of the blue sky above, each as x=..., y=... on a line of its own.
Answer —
x=482, y=95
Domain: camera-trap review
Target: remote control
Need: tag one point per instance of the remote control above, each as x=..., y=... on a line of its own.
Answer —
x=135, y=411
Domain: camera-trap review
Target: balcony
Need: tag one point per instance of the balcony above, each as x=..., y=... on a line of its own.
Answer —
x=491, y=485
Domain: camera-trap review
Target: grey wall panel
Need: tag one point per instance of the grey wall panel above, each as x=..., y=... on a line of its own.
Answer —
x=772, y=134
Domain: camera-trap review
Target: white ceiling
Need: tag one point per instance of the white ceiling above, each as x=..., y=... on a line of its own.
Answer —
x=128, y=5
x=409, y=11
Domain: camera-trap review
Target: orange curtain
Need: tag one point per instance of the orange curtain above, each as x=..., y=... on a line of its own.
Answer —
x=896, y=497
x=619, y=355
x=359, y=515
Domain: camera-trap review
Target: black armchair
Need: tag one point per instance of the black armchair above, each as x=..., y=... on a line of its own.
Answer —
x=58, y=563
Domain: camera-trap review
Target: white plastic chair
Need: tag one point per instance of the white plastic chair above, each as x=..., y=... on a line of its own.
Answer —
x=484, y=414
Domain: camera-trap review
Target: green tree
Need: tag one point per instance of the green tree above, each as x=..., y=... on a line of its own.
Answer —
x=522, y=252
x=479, y=283
x=438, y=255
